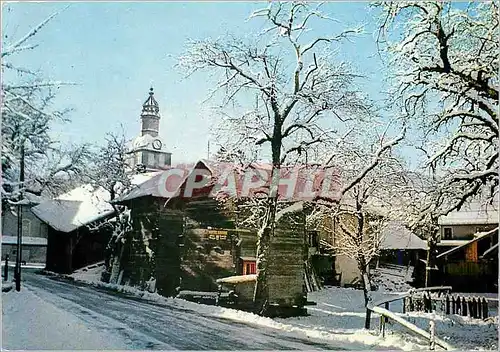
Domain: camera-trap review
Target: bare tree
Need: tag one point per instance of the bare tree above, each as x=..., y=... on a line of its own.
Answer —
x=373, y=193
x=110, y=169
x=27, y=117
x=445, y=61
x=296, y=84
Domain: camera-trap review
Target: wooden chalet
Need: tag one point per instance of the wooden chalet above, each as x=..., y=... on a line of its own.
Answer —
x=188, y=243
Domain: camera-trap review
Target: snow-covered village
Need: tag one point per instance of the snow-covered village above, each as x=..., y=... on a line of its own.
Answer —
x=250, y=175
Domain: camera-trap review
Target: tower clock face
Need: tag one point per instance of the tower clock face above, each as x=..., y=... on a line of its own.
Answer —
x=157, y=144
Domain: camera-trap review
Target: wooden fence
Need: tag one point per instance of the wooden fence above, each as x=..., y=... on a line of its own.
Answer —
x=474, y=307
x=386, y=314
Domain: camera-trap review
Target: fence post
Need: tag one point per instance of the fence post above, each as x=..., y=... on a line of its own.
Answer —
x=448, y=304
x=464, y=307
x=428, y=302
x=474, y=307
x=470, y=307
x=478, y=308
x=382, y=325
x=432, y=339
x=404, y=305
x=410, y=304
x=367, y=319
x=485, y=308
x=386, y=305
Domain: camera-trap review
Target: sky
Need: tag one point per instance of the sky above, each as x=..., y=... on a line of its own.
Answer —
x=115, y=51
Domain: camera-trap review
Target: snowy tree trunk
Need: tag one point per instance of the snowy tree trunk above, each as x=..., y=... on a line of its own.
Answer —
x=120, y=278
x=261, y=293
x=366, y=293
x=115, y=268
x=430, y=259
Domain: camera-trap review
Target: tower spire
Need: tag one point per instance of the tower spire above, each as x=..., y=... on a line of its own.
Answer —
x=150, y=115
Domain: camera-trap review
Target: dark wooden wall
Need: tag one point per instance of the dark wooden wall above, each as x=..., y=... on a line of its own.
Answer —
x=59, y=258
x=287, y=257
x=70, y=251
x=186, y=254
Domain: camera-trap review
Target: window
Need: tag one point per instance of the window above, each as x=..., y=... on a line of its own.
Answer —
x=249, y=268
x=447, y=233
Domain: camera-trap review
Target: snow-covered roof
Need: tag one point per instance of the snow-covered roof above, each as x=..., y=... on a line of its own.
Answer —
x=75, y=208
x=237, y=279
x=148, y=187
x=81, y=205
x=396, y=236
x=35, y=241
x=451, y=243
x=145, y=142
x=471, y=214
x=138, y=179
x=249, y=259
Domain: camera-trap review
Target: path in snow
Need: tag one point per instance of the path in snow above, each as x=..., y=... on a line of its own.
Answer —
x=142, y=325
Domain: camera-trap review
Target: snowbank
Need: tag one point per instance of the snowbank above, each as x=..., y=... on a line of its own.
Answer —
x=237, y=279
x=28, y=322
x=91, y=273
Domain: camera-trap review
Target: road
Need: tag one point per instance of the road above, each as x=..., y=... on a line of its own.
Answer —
x=155, y=326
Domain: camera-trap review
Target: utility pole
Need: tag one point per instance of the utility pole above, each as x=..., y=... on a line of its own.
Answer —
x=17, y=272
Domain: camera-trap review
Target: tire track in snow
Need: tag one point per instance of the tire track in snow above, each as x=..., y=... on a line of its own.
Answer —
x=148, y=325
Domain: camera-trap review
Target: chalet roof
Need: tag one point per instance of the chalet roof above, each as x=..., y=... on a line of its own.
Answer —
x=477, y=238
x=153, y=186
x=397, y=236
x=474, y=213
x=146, y=185
x=74, y=209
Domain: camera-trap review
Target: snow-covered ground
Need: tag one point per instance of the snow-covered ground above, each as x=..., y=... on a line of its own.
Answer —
x=91, y=273
x=339, y=316
x=340, y=309
x=28, y=322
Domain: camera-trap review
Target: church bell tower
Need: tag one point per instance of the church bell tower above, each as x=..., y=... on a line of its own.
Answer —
x=147, y=152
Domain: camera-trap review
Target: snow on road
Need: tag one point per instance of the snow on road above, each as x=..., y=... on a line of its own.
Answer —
x=135, y=323
x=337, y=328
x=340, y=314
x=28, y=322
x=142, y=320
